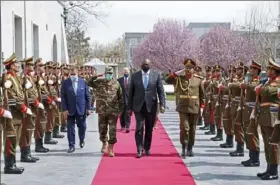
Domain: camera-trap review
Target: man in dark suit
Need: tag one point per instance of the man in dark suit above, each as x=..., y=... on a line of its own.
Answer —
x=75, y=98
x=144, y=87
x=124, y=82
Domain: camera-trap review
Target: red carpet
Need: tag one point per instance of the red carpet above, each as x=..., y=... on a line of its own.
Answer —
x=163, y=167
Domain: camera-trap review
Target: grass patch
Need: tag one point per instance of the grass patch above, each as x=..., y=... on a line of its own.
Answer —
x=170, y=97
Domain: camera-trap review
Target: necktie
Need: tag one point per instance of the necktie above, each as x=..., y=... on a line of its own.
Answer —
x=74, y=82
x=125, y=82
x=145, y=81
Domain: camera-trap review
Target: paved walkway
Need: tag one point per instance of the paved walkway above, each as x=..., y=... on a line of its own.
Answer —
x=210, y=166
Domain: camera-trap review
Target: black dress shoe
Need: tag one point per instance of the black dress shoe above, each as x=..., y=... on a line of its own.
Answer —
x=139, y=154
x=82, y=144
x=127, y=130
x=71, y=150
x=147, y=152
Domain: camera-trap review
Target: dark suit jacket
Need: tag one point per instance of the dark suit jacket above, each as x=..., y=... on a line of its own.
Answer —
x=138, y=95
x=72, y=102
x=125, y=91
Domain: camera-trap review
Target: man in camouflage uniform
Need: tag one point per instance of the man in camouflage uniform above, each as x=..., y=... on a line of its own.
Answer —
x=109, y=104
x=12, y=83
x=41, y=115
x=266, y=119
x=251, y=81
x=206, y=111
x=191, y=99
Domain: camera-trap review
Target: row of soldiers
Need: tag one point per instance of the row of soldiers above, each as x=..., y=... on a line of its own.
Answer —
x=30, y=107
x=239, y=105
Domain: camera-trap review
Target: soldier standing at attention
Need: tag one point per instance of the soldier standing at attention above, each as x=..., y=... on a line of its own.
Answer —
x=13, y=85
x=109, y=104
x=198, y=72
x=65, y=75
x=251, y=81
x=191, y=99
x=266, y=120
x=206, y=111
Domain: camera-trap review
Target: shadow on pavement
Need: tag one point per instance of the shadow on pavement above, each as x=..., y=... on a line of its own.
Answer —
x=228, y=177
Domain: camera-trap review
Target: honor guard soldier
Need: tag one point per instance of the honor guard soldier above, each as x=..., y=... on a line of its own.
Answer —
x=191, y=99
x=269, y=102
x=216, y=100
x=12, y=84
x=41, y=115
x=65, y=75
x=206, y=89
x=227, y=117
x=251, y=81
x=81, y=72
x=198, y=71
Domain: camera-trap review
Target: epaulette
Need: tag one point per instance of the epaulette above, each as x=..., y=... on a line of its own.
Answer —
x=195, y=75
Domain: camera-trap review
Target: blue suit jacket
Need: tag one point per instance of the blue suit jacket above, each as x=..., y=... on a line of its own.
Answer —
x=72, y=102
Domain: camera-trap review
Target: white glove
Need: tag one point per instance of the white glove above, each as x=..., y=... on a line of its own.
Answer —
x=32, y=73
x=226, y=106
x=58, y=99
x=53, y=103
x=180, y=73
x=239, y=108
x=28, y=85
x=41, y=106
x=8, y=84
x=217, y=104
x=7, y=114
x=257, y=87
x=59, y=82
x=50, y=82
x=28, y=111
x=41, y=82
x=252, y=115
x=219, y=85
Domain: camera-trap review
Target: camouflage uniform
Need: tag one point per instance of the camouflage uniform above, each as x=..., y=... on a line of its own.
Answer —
x=109, y=103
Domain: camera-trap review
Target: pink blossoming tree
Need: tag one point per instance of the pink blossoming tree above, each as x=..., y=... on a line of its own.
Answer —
x=167, y=46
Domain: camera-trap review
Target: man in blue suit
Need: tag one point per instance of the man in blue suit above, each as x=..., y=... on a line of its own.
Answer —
x=75, y=99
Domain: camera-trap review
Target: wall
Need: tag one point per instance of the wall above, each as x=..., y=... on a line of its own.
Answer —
x=47, y=16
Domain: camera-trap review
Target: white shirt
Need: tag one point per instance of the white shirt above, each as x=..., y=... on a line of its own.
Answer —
x=143, y=75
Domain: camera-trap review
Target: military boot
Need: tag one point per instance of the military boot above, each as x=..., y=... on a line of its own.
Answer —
x=183, y=154
x=39, y=146
x=219, y=136
x=228, y=143
x=205, y=127
x=33, y=157
x=25, y=157
x=103, y=148
x=110, y=150
x=264, y=173
x=49, y=140
x=63, y=128
x=190, y=151
x=254, y=160
x=211, y=131
x=239, y=152
x=10, y=166
x=272, y=173
x=56, y=133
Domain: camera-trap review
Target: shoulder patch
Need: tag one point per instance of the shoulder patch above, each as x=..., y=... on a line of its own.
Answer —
x=197, y=76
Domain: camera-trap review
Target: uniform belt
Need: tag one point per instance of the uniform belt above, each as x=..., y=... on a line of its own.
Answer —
x=188, y=97
x=269, y=104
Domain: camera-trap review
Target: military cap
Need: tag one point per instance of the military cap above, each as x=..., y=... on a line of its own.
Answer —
x=207, y=68
x=197, y=68
x=12, y=59
x=49, y=64
x=231, y=67
x=109, y=70
x=273, y=65
x=39, y=60
x=189, y=62
x=217, y=67
x=241, y=65
x=256, y=64
x=28, y=61
x=55, y=65
x=64, y=66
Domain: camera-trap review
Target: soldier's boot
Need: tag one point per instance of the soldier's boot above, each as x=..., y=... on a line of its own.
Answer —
x=63, y=128
x=33, y=157
x=110, y=150
x=183, y=154
x=10, y=166
x=211, y=131
x=25, y=157
x=239, y=152
x=48, y=139
x=56, y=133
x=254, y=160
x=103, y=148
x=228, y=143
x=39, y=146
x=272, y=173
x=219, y=136
x=190, y=151
x=205, y=127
